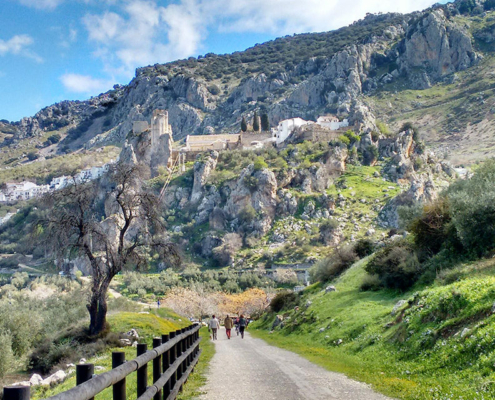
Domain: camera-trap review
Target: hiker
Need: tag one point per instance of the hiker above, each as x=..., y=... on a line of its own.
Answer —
x=228, y=325
x=158, y=304
x=242, y=325
x=214, y=324
x=236, y=323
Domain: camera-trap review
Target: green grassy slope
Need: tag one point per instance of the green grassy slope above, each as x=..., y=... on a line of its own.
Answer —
x=148, y=325
x=421, y=352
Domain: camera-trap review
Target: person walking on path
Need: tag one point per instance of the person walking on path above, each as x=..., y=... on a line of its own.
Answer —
x=236, y=323
x=242, y=325
x=214, y=324
x=228, y=325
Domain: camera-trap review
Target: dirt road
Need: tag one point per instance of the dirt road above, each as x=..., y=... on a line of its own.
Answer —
x=249, y=368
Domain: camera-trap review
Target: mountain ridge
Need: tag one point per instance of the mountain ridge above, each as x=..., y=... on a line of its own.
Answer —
x=305, y=75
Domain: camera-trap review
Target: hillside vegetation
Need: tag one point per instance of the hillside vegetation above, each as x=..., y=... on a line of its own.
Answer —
x=438, y=345
x=415, y=318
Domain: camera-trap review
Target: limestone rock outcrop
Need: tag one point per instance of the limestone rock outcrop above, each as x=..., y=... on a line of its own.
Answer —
x=422, y=190
x=256, y=190
x=202, y=170
x=435, y=47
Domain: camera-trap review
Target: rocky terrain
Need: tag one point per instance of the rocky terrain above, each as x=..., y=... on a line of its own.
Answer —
x=358, y=72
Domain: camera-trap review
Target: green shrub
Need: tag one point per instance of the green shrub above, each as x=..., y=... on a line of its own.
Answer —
x=344, y=139
x=250, y=182
x=54, y=138
x=284, y=301
x=260, y=163
x=383, y=128
x=371, y=283
x=352, y=136
x=370, y=155
x=364, y=247
x=31, y=156
x=247, y=214
x=7, y=356
x=472, y=207
x=396, y=265
x=431, y=228
x=329, y=268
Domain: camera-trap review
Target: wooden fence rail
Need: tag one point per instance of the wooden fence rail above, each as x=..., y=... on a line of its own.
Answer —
x=174, y=357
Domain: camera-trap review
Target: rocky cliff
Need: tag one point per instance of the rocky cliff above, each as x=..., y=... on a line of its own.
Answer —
x=332, y=72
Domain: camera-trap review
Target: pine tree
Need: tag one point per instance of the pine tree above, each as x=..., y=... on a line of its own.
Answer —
x=265, y=122
x=243, y=125
x=256, y=122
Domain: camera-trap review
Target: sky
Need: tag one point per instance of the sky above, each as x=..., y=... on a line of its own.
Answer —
x=53, y=50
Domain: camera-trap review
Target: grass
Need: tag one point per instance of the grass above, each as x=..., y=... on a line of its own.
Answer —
x=148, y=325
x=419, y=353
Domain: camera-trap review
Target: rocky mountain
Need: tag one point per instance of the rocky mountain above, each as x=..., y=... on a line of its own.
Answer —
x=340, y=72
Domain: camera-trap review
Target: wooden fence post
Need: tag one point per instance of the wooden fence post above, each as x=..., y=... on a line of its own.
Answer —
x=119, y=389
x=157, y=367
x=165, y=366
x=84, y=372
x=173, y=357
x=16, y=392
x=142, y=373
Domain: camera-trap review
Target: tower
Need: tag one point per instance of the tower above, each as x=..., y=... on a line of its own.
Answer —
x=159, y=125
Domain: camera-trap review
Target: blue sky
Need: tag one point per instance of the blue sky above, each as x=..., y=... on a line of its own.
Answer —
x=53, y=50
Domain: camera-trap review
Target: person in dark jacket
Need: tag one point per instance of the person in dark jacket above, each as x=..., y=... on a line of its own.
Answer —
x=242, y=325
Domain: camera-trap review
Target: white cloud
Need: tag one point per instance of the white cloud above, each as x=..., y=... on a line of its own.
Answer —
x=140, y=32
x=19, y=45
x=16, y=44
x=85, y=84
x=145, y=33
x=53, y=4
x=42, y=4
x=294, y=16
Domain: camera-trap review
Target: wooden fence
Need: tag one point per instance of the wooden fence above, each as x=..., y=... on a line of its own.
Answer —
x=174, y=357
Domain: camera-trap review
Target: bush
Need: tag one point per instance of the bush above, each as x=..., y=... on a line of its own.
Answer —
x=472, y=208
x=284, y=301
x=352, y=136
x=31, y=156
x=7, y=356
x=383, y=128
x=247, y=214
x=329, y=268
x=431, y=228
x=214, y=90
x=250, y=182
x=344, y=139
x=396, y=265
x=364, y=247
x=370, y=155
x=54, y=138
x=371, y=283
x=260, y=163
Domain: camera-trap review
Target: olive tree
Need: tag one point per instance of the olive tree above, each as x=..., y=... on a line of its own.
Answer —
x=114, y=223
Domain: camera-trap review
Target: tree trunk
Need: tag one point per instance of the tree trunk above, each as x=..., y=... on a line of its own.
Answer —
x=93, y=311
x=98, y=307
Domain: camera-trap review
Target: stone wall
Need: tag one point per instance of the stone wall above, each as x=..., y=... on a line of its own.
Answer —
x=248, y=138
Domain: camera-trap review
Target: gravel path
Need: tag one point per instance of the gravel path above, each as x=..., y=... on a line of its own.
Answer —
x=251, y=369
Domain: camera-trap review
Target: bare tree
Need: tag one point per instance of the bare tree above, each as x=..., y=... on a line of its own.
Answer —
x=113, y=230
